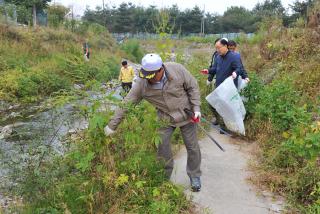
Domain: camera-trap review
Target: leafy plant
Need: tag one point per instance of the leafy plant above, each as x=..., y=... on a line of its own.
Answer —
x=278, y=103
x=133, y=50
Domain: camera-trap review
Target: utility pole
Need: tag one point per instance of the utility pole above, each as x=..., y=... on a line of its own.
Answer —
x=104, y=15
x=202, y=22
x=34, y=12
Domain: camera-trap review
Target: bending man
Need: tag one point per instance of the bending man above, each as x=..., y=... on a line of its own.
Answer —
x=170, y=88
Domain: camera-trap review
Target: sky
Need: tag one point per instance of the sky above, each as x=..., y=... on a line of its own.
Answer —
x=211, y=6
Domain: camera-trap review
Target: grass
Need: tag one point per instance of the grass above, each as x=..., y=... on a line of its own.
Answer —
x=118, y=174
x=107, y=175
x=283, y=113
x=36, y=64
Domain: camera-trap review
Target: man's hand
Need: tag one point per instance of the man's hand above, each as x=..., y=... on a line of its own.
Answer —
x=204, y=71
x=196, y=117
x=247, y=80
x=208, y=82
x=108, y=131
x=197, y=114
x=234, y=75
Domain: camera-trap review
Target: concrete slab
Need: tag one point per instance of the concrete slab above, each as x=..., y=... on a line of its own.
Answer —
x=224, y=186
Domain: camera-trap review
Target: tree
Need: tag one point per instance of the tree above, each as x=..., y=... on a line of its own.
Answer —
x=301, y=8
x=124, y=17
x=31, y=4
x=191, y=20
x=56, y=14
x=162, y=23
x=269, y=8
x=237, y=19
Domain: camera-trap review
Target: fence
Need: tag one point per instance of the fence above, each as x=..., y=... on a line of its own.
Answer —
x=144, y=36
x=9, y=14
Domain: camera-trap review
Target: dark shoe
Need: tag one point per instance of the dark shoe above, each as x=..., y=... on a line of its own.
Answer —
x=222, y=131
x=195, y=184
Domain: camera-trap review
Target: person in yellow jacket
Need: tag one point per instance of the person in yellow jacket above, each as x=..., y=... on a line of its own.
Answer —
x=126, y=76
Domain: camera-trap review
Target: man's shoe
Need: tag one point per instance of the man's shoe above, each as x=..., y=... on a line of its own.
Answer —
x=222, y=130
x=195, y=184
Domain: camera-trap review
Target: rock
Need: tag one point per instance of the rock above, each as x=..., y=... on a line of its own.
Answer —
x=72, y=131
x=14, y=107
x=6, y=131
x=84, y=126
x=14, y=114
x=276, y=208
x=78, y=86
x=30, y=116
x=18, y=124
x=104, y=86
x=3, y=106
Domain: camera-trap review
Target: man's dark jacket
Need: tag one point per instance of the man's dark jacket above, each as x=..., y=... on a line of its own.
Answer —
x=224, y=66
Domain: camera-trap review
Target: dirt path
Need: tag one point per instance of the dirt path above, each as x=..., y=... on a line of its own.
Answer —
x=225, y=189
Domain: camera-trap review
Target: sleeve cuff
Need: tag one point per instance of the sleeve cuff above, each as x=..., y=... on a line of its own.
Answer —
x=196, y=108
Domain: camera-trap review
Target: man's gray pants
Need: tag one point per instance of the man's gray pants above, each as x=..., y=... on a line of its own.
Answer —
x=189, y=136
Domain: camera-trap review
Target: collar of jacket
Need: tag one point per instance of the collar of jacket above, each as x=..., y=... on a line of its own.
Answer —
x=169, y=77
x=226, y=54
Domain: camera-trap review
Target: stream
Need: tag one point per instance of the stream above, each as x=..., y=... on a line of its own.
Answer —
x=27, y=133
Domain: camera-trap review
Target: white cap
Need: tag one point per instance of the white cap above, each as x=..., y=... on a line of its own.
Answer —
x=224, y=38
x=151, y=62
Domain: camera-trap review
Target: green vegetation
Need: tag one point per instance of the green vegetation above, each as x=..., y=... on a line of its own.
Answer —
x=36, y=64
x=26, y=6
x=132, y=50
x=106, y=175
x=199, y=39
x=97, y=174
x=120, y=174
x=283, y=112
x=128, y=17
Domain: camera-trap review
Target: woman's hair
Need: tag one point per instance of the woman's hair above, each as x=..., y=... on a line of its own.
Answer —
x=232, y=43
x=124, y=63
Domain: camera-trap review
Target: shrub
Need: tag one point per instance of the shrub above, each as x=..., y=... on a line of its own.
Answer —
x=133, y=50
x=27, y=86
x=279, y=103
x=100, y=174
x=252, y=93
x=304, y=141
x=304, y=186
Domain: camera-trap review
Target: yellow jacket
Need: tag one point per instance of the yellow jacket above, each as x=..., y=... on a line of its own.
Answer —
x=126, y=74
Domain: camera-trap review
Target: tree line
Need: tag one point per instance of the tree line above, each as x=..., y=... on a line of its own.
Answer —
x=128, y=17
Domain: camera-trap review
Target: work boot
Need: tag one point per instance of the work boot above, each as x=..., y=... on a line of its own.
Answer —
x=222, y=130
x=195, y=184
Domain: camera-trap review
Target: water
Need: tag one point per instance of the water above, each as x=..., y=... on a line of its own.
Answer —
x=39, y=135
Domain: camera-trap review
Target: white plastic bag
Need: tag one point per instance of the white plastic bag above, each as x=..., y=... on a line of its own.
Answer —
x=242, y=83
x=227, y=102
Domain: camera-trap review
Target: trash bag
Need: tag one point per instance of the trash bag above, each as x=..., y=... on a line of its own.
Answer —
x=242, y=83
x=228, y=103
